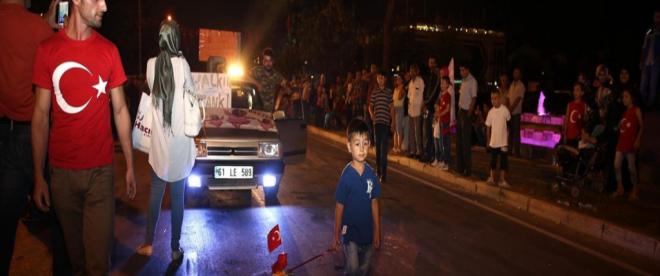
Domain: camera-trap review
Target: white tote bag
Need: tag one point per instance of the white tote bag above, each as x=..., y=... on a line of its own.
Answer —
x=193, y=114
x=142, y=126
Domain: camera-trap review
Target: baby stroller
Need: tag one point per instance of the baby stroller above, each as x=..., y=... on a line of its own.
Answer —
x=579, y=168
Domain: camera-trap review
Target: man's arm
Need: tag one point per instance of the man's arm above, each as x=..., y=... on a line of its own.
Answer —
x=370, y=108
x=488, y=133
x=473, y=93
x=473, y=103
x=336, y=237
x=638, y=140
x=40, y=129
x=518, y=99
x=392, y=116
x=123, y=125
x=375, y=214
x=515, y=103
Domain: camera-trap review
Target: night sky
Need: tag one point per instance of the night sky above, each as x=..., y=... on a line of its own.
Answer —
x=580, y=33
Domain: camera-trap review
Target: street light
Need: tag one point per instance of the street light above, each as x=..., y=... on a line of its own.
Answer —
x=169, y=17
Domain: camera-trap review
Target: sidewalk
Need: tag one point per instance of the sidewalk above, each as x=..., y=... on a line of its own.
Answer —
x=632, y=225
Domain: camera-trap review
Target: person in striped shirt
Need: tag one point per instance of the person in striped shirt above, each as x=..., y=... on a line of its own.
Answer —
x=381, y=110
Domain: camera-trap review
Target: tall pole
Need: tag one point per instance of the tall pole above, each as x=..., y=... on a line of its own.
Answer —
x=140, y=72
x=387, y=33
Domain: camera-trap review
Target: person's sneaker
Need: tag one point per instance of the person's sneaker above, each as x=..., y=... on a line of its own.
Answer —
x=445, y=167
x=177, y=255
x=434, y=164
x=145, y=250
x=504, y=184
x=491, y=182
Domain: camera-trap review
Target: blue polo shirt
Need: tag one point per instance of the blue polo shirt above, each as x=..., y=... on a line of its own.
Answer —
x=355, y=192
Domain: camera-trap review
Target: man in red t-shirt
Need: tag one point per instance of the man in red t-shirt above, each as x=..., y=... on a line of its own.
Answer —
x=78, y=73
x=575, y=116
x=20, y=33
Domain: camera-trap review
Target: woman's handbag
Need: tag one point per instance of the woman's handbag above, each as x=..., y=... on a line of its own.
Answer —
x=142, y=127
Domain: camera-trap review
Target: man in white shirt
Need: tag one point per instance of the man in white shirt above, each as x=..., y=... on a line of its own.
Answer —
x=415, y=103
x=496, y=124
x=466, y=103
x=516, y=95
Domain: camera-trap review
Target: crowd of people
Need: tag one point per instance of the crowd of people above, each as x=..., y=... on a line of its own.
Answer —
x=417, y=115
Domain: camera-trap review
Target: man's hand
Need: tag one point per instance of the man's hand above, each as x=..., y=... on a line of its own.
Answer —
x=377, y=242
x=336, y=243
x=41, y=195
x=50, y=15
x=130, y=184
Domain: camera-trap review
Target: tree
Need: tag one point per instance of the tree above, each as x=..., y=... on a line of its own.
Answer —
x=324, y=35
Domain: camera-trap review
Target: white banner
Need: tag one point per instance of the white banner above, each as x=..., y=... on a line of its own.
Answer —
x=213, y=88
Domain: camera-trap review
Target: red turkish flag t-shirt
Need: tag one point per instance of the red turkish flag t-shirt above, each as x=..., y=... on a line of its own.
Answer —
x=79, y=74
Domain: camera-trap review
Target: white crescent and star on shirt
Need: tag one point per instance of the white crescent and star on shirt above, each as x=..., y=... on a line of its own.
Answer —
x=625, y=125
x=57, y=76
x=572, y=118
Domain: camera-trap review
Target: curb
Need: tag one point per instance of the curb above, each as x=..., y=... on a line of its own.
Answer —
x=597, y=228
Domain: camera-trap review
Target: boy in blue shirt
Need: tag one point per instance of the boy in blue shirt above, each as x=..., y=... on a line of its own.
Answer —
x=357, y=217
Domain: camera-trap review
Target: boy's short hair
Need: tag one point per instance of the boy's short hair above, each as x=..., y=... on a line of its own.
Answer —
x=629, y=90
x=581, y=85
x=356, y=127
x=495, y=91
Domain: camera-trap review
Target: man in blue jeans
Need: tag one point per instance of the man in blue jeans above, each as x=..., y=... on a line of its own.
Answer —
x=650, y=63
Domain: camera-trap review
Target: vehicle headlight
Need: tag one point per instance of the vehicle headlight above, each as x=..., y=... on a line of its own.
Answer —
x=235, y=70
x=269, y=180
x=269, y=149
x=201, y=149
x=194, y=181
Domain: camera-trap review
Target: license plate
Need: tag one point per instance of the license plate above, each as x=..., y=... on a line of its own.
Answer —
x=234, y=172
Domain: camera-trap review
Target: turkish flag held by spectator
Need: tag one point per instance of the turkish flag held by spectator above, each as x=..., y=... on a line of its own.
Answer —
x=274, y=238
x=280, y=265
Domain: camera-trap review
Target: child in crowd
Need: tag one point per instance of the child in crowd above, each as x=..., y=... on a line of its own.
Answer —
x=630, y=135
x=575, y=117
x=498, y=137
x=443, y=117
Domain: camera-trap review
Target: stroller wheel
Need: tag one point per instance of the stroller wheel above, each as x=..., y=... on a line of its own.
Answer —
x=555, y=187
x=575, y=191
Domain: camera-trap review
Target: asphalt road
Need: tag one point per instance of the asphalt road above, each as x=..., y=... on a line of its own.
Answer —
x=427, y=231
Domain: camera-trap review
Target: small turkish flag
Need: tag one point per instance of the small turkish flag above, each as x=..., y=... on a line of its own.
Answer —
x=281, y=263
x=274, y=238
